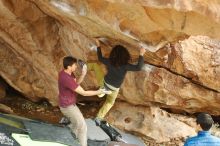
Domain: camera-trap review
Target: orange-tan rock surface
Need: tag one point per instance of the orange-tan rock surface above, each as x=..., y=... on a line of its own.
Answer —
x=151, y=122
x=182, y=69
x=3, y=87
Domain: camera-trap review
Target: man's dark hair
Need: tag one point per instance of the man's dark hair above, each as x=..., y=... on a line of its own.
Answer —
x=205, y=121
x=68, y=61
x=119, y=56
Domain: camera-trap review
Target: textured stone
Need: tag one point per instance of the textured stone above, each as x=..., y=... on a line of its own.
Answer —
x=183, y=50
x=3, y=87
x=151, y=122
x=6, y=109
x=157, y=86
x=198, y=59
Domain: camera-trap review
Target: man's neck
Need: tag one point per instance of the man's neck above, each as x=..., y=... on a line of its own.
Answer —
x=67, y=71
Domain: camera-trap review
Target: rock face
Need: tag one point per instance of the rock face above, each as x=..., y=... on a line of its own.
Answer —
x=6, y=109
x=198, y=59
x=151, y=121
x=3, y=87
x=184, y=69
x=162, y=88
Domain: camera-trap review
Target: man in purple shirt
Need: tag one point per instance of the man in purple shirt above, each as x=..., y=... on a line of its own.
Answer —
x=68, y=88
x=204, y=138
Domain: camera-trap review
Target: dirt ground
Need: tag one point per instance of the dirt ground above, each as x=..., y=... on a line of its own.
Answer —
x=43, y=111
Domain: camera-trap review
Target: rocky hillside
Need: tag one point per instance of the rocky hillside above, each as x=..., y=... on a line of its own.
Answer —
x=182, y=69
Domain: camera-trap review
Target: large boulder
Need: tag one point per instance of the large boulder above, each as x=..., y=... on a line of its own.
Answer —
x=182, y=38
x=158, y=86
x=3, y=87
x=152, y=122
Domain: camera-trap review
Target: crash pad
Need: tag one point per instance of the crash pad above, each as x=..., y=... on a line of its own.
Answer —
x=95, y=132
x=25, y=140
x=50, y=133
x=5, y=135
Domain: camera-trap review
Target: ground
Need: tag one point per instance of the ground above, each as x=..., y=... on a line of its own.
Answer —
x=43, y=110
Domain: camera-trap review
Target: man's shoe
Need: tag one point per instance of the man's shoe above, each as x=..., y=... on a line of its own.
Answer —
x=64, y=121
